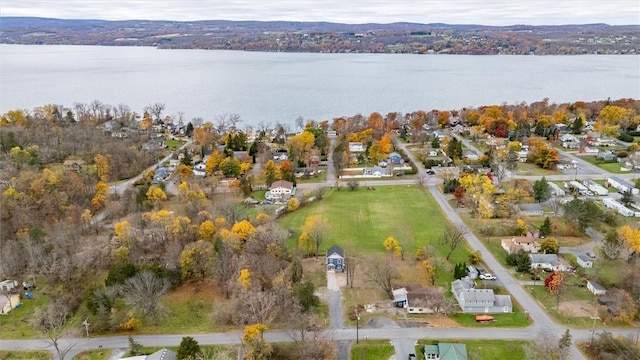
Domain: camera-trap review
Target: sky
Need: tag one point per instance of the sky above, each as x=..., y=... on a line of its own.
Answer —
x=483, y=12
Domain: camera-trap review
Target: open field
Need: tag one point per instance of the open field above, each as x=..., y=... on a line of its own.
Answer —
x=15, y=325
x=612, y=167
x=361, y=220
x=25, y=355
x=484, y=349
x=372, y=349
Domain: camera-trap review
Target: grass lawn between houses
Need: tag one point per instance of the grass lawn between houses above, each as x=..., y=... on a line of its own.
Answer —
x=483, y=349
x=372, y=349
x=612, y=167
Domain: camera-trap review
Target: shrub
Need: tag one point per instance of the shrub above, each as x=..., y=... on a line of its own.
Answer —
x=625, y=137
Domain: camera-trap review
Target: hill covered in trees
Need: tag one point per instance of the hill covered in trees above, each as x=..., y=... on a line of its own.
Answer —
x=326, y=37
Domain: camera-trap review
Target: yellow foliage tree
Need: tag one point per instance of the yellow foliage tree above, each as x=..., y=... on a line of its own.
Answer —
x=293, y=204
x=122, y=229
x=522, y=227
x=257, y=347
x=100, y=197
x=213, y=162
x=243, y=229
x=305, y=243
x=245, y=278
x=155, y=195
x=392, y=246
x=631, y=237
x=102, y=167
x=185, y=171
x=12, y=193
x=426, y=269
x=262, y=218
x=207, y=230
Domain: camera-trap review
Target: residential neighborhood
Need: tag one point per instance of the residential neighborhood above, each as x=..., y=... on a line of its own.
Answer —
x=396, y=222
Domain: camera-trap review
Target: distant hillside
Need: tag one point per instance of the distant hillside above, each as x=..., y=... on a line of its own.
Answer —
x=288, y=36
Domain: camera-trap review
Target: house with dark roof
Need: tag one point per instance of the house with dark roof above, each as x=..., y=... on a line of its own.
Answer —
x=335, y=258
x=446, y=351
x=531, y=209
x=412, y=298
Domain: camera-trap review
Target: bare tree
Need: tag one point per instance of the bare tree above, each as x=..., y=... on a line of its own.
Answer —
x=156, y=110
x=382, y=272
x=253, y=306
x=51, y=320
x=300, y=122
x=547, y=346
x=143, y=293
x=351, y=263
x=452, y=237
x=234, y=119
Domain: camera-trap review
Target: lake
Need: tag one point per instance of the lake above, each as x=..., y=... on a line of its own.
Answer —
x=280, y=87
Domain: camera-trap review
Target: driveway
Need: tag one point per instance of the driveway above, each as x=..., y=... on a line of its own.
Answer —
x=334, y=301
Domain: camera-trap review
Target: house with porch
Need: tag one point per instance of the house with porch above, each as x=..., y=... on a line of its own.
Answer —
x=335, y=258
x=412, y=298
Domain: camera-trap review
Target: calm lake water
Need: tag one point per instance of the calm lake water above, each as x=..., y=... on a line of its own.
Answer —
x=279, y=87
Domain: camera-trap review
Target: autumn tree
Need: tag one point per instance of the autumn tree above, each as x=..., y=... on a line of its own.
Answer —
x=257, y=348
x=550, y=246
x=271, y=172
x=102, y=167
x=51, y=321
x=541, y=154
x=300, y=146
x=100, y=198
x=293, y=204
x=392, y=246
x=555, y=283
x=316, y=227
x=155, y=195
x=207, y=230
x=196, y=260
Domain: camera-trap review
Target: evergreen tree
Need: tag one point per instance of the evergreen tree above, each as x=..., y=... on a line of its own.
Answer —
x=186, y=158
x=627, y=198
x=541, y=190
x=545, y=228
x=577, y=125
x=435, y=143
x=189, y=130
x=189, y=349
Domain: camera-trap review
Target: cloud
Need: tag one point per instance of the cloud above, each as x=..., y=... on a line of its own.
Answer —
x=486, y=12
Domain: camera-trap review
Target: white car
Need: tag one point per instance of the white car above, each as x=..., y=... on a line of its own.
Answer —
x=487, y=276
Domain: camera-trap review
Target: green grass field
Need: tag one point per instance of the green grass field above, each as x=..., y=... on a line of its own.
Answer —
x=25, y=355
x=372, y=349
x=15, y=325
x=361, y=220
x=612, y=167
x=485, y=349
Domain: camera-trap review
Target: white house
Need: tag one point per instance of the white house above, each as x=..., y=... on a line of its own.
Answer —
x=376, y=171
x=8, y=285
x=621, y=185
x=356, y=147
x=162, y=354
x=280, y=190
x=548, y=262
x=595, y=288
x=479, y=301
x=584, y=261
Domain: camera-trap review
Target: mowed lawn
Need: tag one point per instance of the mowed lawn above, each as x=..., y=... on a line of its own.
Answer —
x=361, y=220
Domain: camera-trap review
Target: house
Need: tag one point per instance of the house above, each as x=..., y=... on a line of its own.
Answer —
x=356, y=147
x=74, y=165
x=584, y=261
x=527, y=244
x=531, y=209
x=395, y=158
x=8, y=302
x=590, y=150
x=446, y=351
x=162, y=354
x=439, y=134
x=377, y=171
x=568, y=138
x=596, y=288
x=434, y=152
x=548, y=262
x=470, y=155
x=556, y=189
x=607, y=156
x=478, y=301
x=335, y=258
x=412, y=298
x=621, y=185
x=571, y=144
x=280, y=190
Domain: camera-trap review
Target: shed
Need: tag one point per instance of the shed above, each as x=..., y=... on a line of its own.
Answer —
x=584, y=261
x=596, y=288
x=531, y=209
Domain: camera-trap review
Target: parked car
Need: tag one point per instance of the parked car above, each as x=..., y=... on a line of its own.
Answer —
x=412, y=356
x=591, y=255
x=431, y=172
x=481, y=271
x=487, y=276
